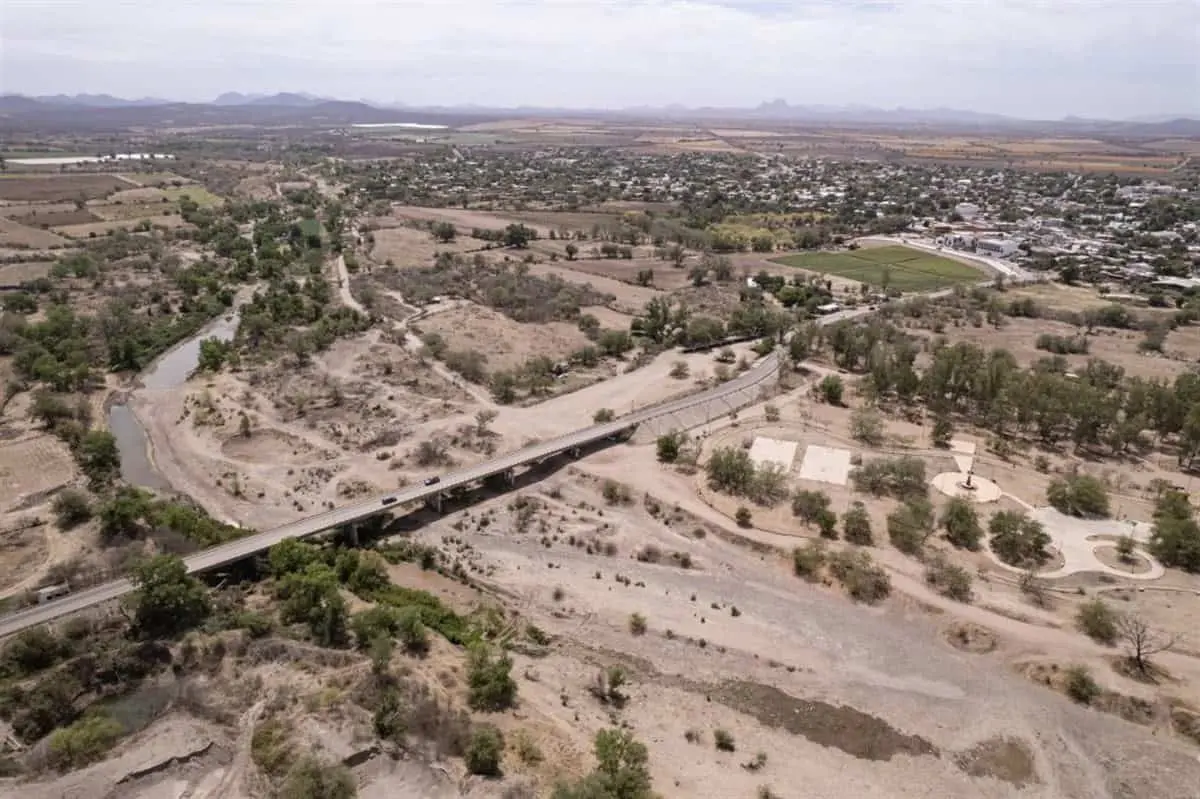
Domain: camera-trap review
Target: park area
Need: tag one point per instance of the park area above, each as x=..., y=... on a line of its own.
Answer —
x=893, y=266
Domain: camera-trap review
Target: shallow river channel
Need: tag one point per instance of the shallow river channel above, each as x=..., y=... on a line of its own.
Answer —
x=169, y=371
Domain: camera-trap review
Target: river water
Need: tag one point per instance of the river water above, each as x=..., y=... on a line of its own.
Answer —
x=168, y=371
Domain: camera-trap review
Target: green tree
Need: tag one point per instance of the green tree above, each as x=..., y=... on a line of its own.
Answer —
x=1078, y=495
x=213, y=354
x=1018, y=540
x=518, y=236
x=491, y=687
x=571, y=251
x=856, y=525
x=1176, y=537
x=831, y=389
x=99, y=458
x=622, y=770
x=614, y=343
x=311, y=597
x=808, y=505
x=603, y=416
x=166, y=600
x=943, y=429
x=731, y=470
x=484, y=751
x=910, y=525
x=444, y=232
x=961, y=523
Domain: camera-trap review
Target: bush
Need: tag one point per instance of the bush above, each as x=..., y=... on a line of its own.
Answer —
x=949, y=580
x=603, y=416
x=723, y=740
x=808, y=560
x=1078, y=495
x=856, y=525
x=669, y=446
x=411, y=630
x=637, y=624
x=831, y=389
x=1081, y=686
x=31, y=651
x=1098, y=621
x=312, y=779
x=491, y=687
x=271, y=748
x=484, y=751
x=71, y=508
x=961, y=523
x=85, y=741
x=616, y=493
x=742, y=516
x=866, y=425
x=858, y=574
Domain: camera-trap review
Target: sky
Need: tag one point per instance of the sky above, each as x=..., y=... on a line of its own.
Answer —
x=1041, y=59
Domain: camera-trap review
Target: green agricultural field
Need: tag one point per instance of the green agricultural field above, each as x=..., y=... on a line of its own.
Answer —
x=197, y=193
x=894, y=266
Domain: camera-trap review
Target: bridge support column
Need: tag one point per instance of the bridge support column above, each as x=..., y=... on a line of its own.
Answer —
x=350, y=533
x=509, y=477
x=434, y=502
x=575, y=452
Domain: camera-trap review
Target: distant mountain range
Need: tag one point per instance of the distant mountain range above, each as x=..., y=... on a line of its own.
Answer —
x=297, y=107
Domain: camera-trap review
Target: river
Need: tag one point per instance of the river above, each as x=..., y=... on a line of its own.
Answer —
x=168, y=371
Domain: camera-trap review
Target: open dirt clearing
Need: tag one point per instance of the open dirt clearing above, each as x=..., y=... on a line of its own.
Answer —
x=629, y=297
x=407, y=247
x=507, y=344
x=54, y=188
x=841, y=699
x=19, y=273
x=31, y=466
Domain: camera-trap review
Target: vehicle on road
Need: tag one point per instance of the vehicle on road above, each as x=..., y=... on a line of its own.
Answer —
x=432, y=480
x=389, y=500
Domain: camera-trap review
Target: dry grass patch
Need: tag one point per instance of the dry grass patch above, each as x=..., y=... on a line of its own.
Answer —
x=55, y=188
x=505, y=343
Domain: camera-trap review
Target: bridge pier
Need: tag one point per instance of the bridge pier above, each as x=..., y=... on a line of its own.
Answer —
x=350, y=534
x=434, y=502
x=575, y=452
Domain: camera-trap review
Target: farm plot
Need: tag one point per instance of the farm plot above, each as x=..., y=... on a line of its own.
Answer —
x=57, y=188
x=893, y=267
x=14, y=234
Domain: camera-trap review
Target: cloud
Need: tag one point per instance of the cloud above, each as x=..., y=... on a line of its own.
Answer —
x=1042, y=58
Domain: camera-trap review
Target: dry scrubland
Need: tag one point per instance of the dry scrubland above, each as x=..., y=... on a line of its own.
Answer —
x=623, y=588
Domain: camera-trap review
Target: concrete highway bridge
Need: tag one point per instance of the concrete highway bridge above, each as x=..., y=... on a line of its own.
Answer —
x=744, y=388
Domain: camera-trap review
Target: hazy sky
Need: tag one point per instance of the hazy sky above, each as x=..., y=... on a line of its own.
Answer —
x=1034, y=58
